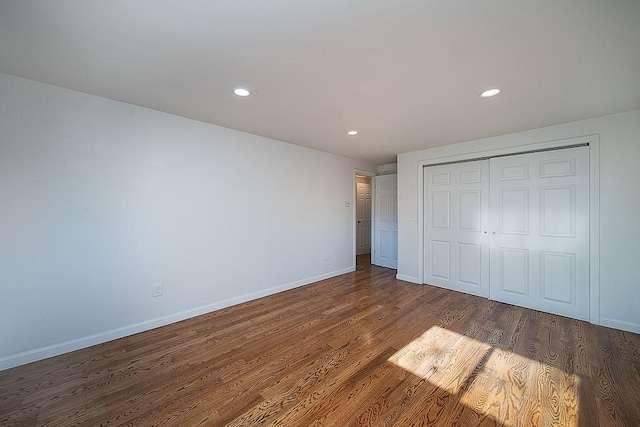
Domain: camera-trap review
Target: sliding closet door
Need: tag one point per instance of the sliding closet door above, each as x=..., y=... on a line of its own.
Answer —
x=540, y=231
x=456, y=224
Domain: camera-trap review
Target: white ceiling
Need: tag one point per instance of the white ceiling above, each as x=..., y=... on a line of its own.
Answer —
x=406, y=74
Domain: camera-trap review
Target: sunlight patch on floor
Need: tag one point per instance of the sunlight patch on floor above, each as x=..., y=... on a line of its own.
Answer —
x=504, y=385
x=442, y=357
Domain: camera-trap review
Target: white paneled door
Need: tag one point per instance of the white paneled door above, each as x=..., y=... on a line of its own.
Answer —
x=513, y=228
x=456, y=224
x=540, y=231
x=363, y=218
x=385, y=252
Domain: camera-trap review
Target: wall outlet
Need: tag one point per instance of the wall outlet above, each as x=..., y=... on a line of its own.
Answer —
x=156, y=290
x=326, y=256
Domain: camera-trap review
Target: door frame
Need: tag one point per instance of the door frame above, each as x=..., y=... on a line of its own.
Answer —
x=593, y=142
x=354, y=197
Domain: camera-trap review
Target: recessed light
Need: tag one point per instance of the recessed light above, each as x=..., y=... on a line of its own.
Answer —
x=489, y=93
x=240, y=91
x=352, y=133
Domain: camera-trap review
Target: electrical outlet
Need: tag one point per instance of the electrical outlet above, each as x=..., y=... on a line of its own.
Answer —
x=156, y=290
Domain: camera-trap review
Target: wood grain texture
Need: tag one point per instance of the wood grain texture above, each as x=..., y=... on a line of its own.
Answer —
x=361, y=349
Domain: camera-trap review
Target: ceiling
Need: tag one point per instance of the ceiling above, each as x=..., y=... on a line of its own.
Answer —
x=406, y=74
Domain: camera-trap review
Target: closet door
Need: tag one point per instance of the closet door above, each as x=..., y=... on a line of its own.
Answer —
x=540, y=231
x=456, y=240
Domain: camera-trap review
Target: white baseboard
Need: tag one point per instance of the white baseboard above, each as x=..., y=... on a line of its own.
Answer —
x=23, y=358
x=408, y=279
x=619, y=324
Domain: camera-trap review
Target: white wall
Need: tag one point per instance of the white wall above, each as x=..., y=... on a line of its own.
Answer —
x=388, y=169
x=619, y=248
x=100, y=199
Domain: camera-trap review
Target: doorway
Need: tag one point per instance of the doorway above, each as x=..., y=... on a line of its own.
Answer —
x=375, y=219
x=363, y=220
x=363, y=215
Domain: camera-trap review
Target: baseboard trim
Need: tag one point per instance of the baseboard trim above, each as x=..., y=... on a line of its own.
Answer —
x=620, y=324
x=53, y=350
x=411, y=279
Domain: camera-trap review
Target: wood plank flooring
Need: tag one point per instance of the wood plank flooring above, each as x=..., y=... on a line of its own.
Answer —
x=362, y=349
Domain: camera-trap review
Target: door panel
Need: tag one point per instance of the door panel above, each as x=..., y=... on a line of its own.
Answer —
x=558, y=211
x=440, y=259
x=470, y=259
x=456, y=223
x=540, y=231
x=514, y=211
x=470, y=210
x=385, y=253
x=558, y=278
x=441, y=208
x=513, y=271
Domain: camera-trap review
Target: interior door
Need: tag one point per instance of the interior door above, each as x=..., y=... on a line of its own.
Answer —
x=363, y=218
x=456, y=239
x=540, y=231
x=385, y=252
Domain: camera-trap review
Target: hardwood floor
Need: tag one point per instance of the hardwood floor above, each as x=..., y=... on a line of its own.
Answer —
x=359, y=349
